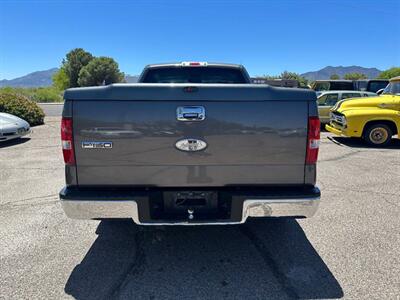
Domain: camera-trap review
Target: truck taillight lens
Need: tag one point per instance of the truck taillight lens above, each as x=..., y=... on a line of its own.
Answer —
x=67, y=141
x=313, y=137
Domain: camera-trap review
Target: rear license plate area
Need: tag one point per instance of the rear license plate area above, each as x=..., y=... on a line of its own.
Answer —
x=191, y=205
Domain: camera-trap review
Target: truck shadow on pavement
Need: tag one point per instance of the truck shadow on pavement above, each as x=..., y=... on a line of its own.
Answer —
x=359, y=143
x=14, y=142
x=265, y=258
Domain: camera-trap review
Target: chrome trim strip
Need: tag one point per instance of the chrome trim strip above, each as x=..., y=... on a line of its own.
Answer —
x=77, y=209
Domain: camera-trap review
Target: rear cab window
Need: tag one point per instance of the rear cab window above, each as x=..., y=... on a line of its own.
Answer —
x=321, y=86
x=332, y=85
x=374, y=86
x=350, y=95
x=341, y=85
x=393, y=88
x=328, y=99
x=208, y=74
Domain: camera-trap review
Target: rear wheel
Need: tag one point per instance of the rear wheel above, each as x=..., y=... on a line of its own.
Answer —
x=378, y=135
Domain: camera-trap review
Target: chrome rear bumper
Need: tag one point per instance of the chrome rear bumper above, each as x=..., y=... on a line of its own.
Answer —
x=94, y=209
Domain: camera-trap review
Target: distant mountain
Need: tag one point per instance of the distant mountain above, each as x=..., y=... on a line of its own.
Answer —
x=327, y=72
x=43, y=78
x=35, y=79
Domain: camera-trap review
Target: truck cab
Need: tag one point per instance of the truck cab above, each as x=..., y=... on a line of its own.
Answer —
x=367, y=85
x=374, y=119
x=332, y=85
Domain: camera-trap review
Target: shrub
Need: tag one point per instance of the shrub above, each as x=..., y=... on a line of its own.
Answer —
x=21, y=106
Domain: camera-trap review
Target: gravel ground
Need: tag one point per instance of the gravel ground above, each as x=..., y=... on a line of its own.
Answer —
x=350, y=249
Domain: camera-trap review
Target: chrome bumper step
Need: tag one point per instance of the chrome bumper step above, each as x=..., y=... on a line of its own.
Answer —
x=304, y=206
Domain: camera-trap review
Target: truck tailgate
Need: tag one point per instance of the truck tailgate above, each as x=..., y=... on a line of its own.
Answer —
x=257, y=137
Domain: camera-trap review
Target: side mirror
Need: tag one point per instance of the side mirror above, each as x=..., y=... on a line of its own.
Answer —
x=379, y=92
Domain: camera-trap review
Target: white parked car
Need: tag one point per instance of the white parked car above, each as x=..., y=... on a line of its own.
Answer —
x=12, y=127
x=326, y=100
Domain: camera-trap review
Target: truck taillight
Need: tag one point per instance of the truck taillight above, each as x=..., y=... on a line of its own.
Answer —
x=67, y=141
x=313, y=137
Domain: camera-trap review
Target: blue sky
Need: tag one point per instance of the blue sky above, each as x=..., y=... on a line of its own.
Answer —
x=268, y=37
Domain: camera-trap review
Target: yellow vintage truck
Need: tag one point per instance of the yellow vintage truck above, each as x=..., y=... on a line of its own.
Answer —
x=375, y=119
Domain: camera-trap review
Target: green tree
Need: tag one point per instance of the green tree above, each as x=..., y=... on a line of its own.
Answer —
x=334, y=77
x=60, y=79
x=354, y=76
x=99, y=71
x=268, y=77
x=294, y=76
x=286, y=75
x=75, y=60
x=390, y=73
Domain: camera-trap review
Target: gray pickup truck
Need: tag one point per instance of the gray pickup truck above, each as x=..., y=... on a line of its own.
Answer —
x=191, y=143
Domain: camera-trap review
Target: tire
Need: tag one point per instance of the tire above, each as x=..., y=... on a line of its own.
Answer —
x=378, y=135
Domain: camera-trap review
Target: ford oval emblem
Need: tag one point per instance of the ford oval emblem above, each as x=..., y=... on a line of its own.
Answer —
x=190, y=145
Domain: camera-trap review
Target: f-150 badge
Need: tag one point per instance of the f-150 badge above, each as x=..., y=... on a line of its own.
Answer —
x=190, y=145
x=97, y=145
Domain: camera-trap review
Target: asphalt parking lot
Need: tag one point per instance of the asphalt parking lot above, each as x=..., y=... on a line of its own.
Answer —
x=350, y=249
x=52, y=109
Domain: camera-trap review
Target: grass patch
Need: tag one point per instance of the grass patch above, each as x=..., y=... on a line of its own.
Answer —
x=40, y=94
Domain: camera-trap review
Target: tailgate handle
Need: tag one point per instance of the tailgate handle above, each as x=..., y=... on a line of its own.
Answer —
x=190, y=113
